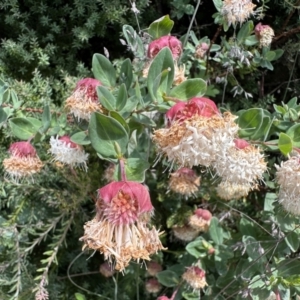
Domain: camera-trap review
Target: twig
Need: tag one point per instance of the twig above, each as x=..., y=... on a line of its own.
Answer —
x=289, y=17
x=286, y=34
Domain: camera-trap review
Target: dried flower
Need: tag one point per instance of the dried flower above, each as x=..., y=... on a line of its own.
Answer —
x=23, y=161
x=165, y=41
x=288, y=178
x=184, y=181
x=68, y=152
x=109, y=172
x=242, y=164
x=120, y=229
x=201, y=50
x=185, y=233
x=200, y=220
x=106, y=270
x=230, y=190
x=84, y=99
x=153, y=286
x=153, y=268
x=195, y=277
x=237, y=11
x=179, y=75
x=264, y=34
x=196, y=133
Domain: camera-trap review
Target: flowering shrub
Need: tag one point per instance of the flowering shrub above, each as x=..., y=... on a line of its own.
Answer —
x=196, y=199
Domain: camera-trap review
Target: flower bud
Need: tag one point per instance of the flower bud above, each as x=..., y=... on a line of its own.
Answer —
x=165, y=41
x=240, y=143
x=84, y=99
x=200, y=220
x=153, y=268
x=106, y=270
x=68, y=152
x=153, y=286
x=23, y=161
x=201, y=50
x=185, y=233
x=195, y=277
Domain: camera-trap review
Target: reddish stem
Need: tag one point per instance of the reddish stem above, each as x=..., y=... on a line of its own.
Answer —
x=122, y=169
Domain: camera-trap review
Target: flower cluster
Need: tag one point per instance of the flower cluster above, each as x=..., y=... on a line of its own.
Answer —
x=264, y=34
x=288, y=178
x=201, y=50
x=195, y=277
x=120, y=228
x=237, y=11
x=84, y=99
x=23, y=161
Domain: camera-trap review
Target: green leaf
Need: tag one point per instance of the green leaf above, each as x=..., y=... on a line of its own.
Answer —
x=160, y=27
x=244, y=32
x=216, y=231
x=106, y=98
x=270, y=55
x=79, y=296
x=189, y=89
x=251, y=40
x=253, y=249
x=121, y=98
x=103, y=70
x=168, y=278
x=126, y=75
x=46, y=119
x=196, y=248
x=292, y=103
x=250, y=121
x=24, y=128
x=120, y=119
x=292, y=240
x=278, y=53
x=191, y=295
x=135, y=169
x=285, y=143
x=81, y=138
x=270, y=199
x=3, y=115
x=218, y=4
x=134, y=41
x=294, y=133
x=142, y=119
x=131, y=104
x=161, y=74
x=104, y=133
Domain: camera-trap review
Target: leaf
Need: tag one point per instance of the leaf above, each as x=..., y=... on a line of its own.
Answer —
x=244, y=32
x=104, y=133
x=215, y=231
x=134, y=41
x=3, y=115
x=80, y=138
x=251, y=40
x=142, y=119
x=24, y=128
x=189, y=89
x=254, y=249
x=103, y=70
x=121, y=98
x=196, y=248
x=250, y=121
x=160, y=27
x=168, y=278
x=161, y=73
x=126, y=75
x=285, y=144
x=46, y=119
x=294, y=133
x=120, y=119
x=270, y=55
x=218, y=4
x=106, y=98
x=79, y=296
x=292, y=240
x=135, y=169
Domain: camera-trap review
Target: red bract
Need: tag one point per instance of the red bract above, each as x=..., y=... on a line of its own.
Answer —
x=241, y=144
x=165, y=41
x=22, y=149
x=88, y=85
x=125, y=201
x=68, y=141
x=196, y=106
x=259, y=28
x=203, y=213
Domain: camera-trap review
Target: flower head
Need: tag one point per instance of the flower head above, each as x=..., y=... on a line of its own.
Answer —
x=197, y=139
x=201, y=50
x=200, y=220
x=184, y=181
x=120, y=229
x=237, y=11
x=264, y=34
x=288, y=178
x=165, y=41
x=23, y=161
x=179, y=75
x=84, y=99
x=153, y=286
x=68, y=152
x=106, y=270
x=242, y=164
x=195, y=277
x=153, y=268
x=185, y=233
x=231, y=190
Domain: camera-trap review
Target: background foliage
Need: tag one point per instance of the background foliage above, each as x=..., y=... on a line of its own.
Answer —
x=45, y=48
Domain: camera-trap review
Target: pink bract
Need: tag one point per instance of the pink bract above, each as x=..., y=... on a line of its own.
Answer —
x=165, y=41
x=22, y=149
x=89, y=86
x=203, y=213
x=68, y=141
x=241, y=144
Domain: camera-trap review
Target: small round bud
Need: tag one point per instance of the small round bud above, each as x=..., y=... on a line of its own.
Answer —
x=195, y=277
x=200, y=220
x=106, y=270
x=153, y=268
x=153, y=286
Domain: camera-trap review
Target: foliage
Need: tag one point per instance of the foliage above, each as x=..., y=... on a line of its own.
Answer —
x=251, y=247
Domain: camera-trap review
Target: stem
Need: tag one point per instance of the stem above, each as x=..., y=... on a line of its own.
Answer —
x=137, y=283
x=122, y=170
x=116, y=286
x=191, y=23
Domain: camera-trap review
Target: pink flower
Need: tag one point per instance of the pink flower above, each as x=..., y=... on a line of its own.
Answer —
x=240, y=143
x=195, y=277
x=23, y=161
x=165, y=41
x=203, y=214
x=264, y=34
x=153, y=286
x=163, y=298
x=200, y=220
x=201, y=49
x=84, y=99
x=125, y=201
x=196, y=106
